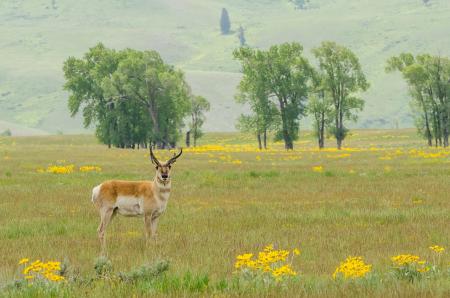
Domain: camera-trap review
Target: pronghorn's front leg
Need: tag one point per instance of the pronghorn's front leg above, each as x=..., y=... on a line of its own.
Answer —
x=151, y=223
x=106, y=215
x=154, y=225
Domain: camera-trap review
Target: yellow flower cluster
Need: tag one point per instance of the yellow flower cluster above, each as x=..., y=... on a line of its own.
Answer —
x=352, y=267
x=222, y=148
x=410, y=261
x=270, y=261
x=344, y=155
x=90, y=169
x=67, y=169
x=38, y=269
x=437, y=248
x=318, y=169
x=60, y=169
x=402, y=260
x=438, y=153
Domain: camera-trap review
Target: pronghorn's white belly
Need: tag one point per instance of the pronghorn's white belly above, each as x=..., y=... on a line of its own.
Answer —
x=130, y=206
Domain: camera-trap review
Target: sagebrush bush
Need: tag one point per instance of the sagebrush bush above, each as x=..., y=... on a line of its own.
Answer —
x=103, y=267
x=145, y=272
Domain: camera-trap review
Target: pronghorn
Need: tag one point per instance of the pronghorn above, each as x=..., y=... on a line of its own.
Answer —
x=134, y=198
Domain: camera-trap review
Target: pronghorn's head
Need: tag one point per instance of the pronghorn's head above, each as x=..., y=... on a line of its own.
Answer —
x=163, y=169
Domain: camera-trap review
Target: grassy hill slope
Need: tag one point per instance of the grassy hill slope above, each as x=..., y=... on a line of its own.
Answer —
x=37, y=36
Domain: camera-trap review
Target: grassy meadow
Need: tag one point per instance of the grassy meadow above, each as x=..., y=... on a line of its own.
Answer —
x=384, y=195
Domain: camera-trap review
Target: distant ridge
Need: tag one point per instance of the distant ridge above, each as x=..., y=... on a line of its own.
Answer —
x=37, y=36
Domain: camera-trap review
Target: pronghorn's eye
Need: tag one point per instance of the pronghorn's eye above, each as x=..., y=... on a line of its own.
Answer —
x=170, y=167
x=156, y=167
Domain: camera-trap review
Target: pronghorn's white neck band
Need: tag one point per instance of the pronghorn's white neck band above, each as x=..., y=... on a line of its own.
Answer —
x=161, y=181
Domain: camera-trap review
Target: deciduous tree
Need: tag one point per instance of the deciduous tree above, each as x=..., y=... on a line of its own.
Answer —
x=343, y=80
x=199, y=105
x=133, y=97
x=278, y=78
x=428, y=79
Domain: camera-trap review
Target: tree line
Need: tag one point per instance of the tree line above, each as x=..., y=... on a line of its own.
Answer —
x=133, y=97
x=281, y=86
x=428, y=80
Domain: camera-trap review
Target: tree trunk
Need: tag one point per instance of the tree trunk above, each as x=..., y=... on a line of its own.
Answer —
x=341, y=130
x=442, y=127
x=337, y=130
x=322, y=130
x=156, y=130
x=265, y=139
x=428, y=132
x=427, y=123
x=288, y=144
x=194, y=136
x=258, y=135
x=445, y=125
x=188, y=138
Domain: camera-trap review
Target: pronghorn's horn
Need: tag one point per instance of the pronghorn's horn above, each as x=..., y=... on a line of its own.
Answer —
x=153, y=158
x=174, y=158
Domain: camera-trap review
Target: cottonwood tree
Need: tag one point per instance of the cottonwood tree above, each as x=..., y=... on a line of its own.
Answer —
x=343, y=80
x=83, y=81
x=281, y=74
x=225, y=23
x=199, y=105
x=428, y=79
x=158, y=87
x=320, y=107
x=252, y=90
x=133, y=97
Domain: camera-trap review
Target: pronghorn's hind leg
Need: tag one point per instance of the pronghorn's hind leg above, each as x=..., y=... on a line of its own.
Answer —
x=106, y=214
x=147, y=223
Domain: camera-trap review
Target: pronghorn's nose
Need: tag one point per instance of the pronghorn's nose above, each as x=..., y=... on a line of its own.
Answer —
x=165, y=176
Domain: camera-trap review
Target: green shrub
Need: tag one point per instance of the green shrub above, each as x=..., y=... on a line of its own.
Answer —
x=103, y=267
x=145, y=272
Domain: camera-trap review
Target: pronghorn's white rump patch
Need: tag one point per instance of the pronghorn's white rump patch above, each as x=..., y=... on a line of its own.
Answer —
x=130, y=206
x=96, y=192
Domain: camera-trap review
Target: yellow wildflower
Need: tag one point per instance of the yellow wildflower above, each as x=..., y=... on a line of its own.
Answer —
x=402, y=260
x=352, y=267
x=269, y=261
x=437, y=248
x=423, y=270
x=318, y=169
x=48, y=270
x=60, y=169
x=90, y=169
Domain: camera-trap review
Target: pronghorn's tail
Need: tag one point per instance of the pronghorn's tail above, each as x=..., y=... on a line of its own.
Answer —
x=95, y=193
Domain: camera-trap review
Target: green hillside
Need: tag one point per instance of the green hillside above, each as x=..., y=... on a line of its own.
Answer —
x=37, y=36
